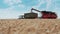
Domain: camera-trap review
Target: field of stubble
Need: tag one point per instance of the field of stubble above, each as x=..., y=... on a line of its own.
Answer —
x=30, y=26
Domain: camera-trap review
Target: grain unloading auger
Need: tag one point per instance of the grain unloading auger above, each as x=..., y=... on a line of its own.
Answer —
x=45, y=15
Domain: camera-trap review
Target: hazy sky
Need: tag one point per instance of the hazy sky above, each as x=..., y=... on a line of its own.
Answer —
x=14, y=8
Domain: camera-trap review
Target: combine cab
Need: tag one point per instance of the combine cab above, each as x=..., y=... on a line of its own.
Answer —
x=45, y=14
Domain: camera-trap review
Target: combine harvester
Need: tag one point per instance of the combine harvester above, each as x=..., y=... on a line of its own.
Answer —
x=45, y=15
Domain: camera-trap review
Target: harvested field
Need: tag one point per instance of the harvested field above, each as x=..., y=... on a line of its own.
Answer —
x=30, y=26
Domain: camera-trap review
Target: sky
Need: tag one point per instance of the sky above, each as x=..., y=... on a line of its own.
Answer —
x=12, y=9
